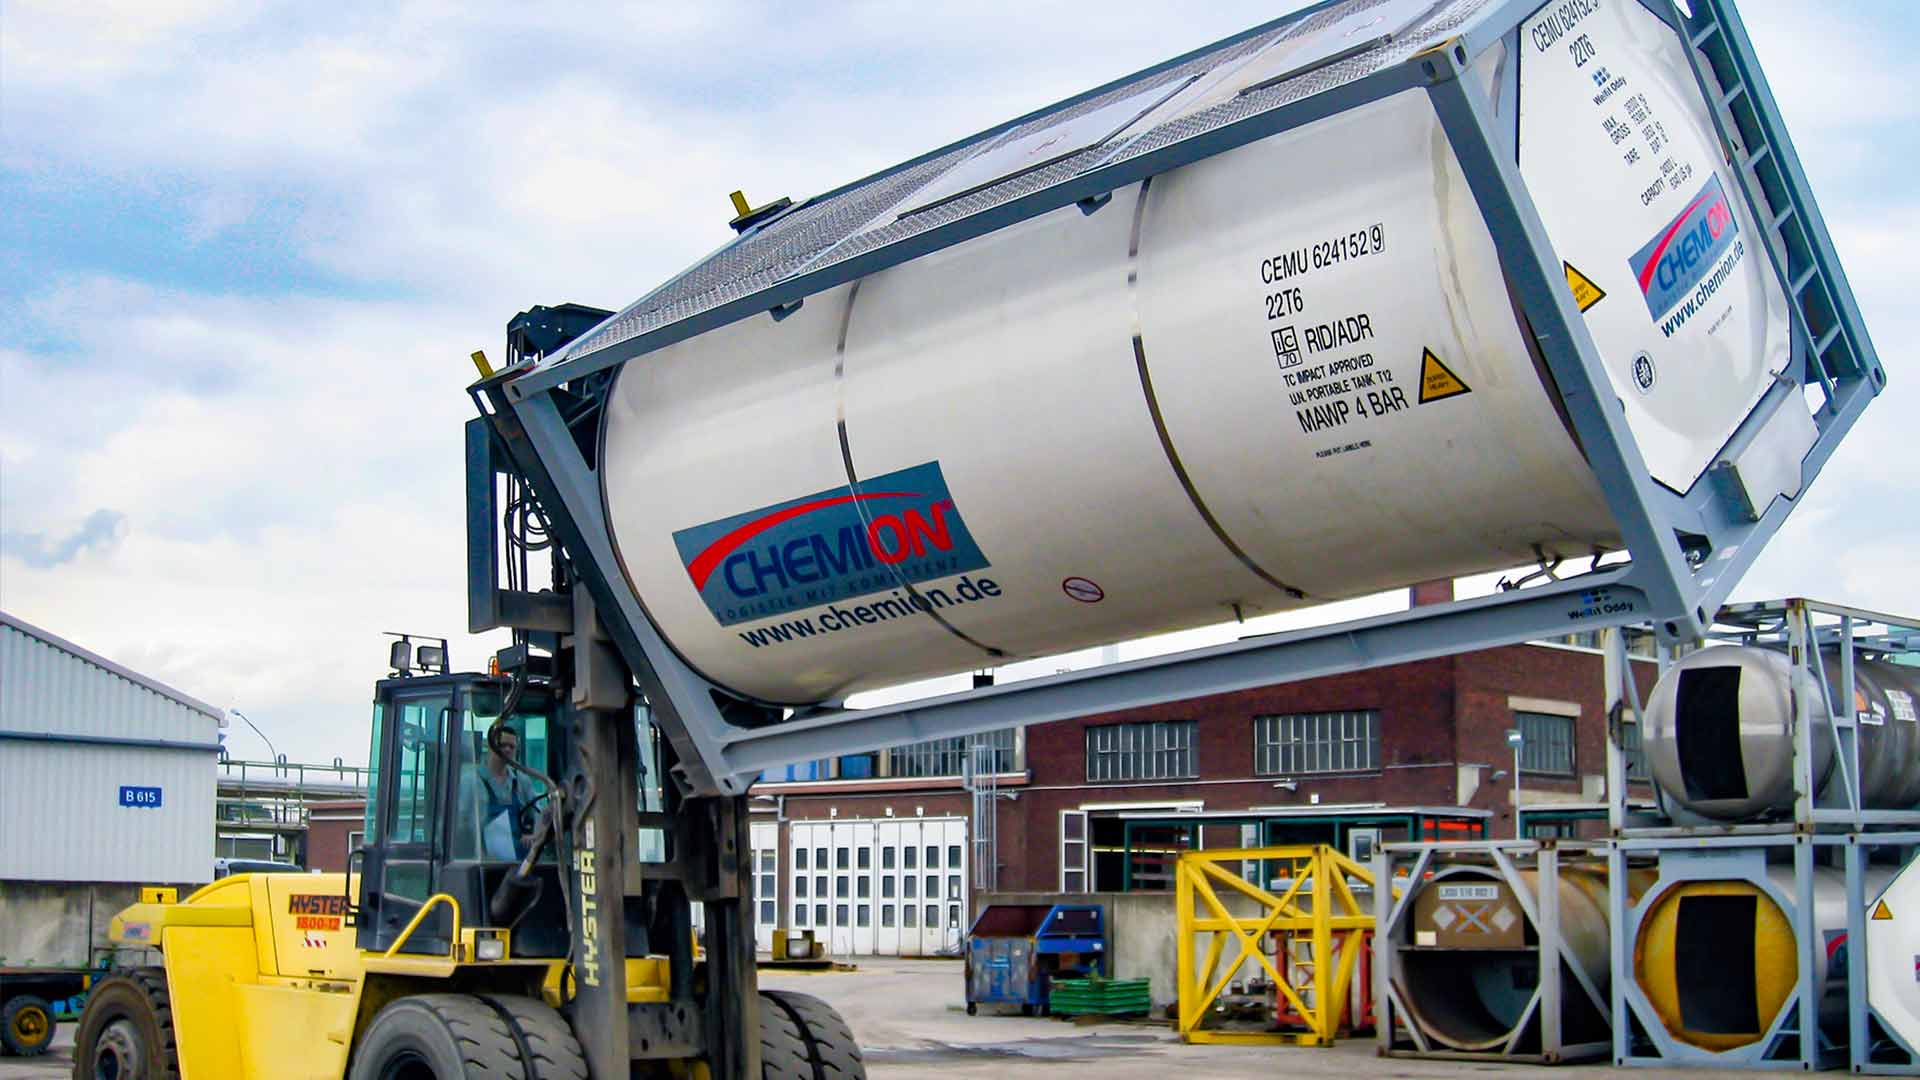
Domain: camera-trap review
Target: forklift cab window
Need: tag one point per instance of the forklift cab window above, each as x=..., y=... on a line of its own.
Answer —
x=499, y=805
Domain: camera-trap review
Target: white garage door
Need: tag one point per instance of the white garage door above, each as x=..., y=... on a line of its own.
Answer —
x=885, y=886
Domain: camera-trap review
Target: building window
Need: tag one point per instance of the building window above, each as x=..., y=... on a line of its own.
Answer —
x=1073, y=851
x=799, y=858
x=355, y=840
x=859, y=766
x=800, y=915
x=1296, y=743
x=1546, y=745
x=948, y=757
x=909, y=915
x=1636, y=754
x=800, y=888
x=1159, y=750
x=805, y=770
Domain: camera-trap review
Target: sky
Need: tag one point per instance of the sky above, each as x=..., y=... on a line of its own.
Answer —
x=245, y=250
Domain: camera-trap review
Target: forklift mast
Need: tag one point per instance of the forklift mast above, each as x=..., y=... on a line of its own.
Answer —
x=608, y=760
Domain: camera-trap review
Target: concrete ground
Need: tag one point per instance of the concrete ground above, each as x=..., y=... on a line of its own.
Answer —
x=911, y=1025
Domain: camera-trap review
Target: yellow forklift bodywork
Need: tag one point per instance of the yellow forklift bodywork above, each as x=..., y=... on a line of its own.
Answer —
x=266, y=979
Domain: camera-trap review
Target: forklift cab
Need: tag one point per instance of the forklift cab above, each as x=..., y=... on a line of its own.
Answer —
x=446, y=815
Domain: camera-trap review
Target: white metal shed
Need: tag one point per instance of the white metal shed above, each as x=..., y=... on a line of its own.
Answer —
x=105, y=775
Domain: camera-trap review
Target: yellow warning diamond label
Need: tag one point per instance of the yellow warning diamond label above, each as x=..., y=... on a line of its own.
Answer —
x=1437, y=380
x=1882, y=913
x=1585, y=292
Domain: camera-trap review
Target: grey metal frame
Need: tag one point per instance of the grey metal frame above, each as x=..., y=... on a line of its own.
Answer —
x=723, y=743
x=1541, y=905
x=1720, y=858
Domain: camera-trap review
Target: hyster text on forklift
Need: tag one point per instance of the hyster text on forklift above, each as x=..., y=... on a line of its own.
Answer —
x=1555, y=269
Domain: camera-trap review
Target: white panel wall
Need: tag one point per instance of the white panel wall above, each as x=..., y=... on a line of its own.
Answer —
x=61, y=818
x=52, y=687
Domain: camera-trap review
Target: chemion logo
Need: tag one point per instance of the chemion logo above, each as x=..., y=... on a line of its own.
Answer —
x=1684, y=252
x=829, y=546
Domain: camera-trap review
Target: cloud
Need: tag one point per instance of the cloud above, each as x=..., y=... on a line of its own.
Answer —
x=99, y=531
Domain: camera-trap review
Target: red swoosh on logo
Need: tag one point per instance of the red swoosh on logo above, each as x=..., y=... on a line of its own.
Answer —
x=1653, y=261
x=705, y=563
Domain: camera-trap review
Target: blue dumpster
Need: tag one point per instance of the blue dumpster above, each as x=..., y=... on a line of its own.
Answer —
x=1015, y=951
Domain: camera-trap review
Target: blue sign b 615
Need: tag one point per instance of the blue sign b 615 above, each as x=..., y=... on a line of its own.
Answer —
x=145, y=798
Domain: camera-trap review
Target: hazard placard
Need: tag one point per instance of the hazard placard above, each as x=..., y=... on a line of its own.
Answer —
x=1585, y=292
x=1882, y=913
x=1437, y=380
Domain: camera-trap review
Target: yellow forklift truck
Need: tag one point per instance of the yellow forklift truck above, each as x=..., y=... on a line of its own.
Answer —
x=454, y=951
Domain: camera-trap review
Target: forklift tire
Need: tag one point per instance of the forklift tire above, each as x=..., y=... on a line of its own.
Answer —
x=783, y=1047
x=26, y=1025
x=548, y=1047
x=972, y=1009
x=830, y=1050
x=446, y=1036
x=126, y=1031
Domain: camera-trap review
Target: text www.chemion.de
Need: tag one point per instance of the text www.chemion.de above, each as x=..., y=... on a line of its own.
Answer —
x=838, y=618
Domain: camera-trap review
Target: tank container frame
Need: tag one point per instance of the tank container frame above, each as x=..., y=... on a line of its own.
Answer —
x=1685, y=549
x=1748, y=858
x=1800, y=627
x=1396, y=1034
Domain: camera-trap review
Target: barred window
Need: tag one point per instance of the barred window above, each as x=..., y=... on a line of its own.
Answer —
x=1159, y=750
x=948, y=757
x=1295, y=743
x=1546, y=745
x=1636, y=754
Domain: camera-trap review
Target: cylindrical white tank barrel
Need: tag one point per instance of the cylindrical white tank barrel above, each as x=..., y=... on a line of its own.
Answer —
x=1276, y=377
x=1893, y=935
x=1719, y=737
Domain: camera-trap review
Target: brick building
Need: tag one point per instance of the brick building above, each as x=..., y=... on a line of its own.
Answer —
x=334, y=829
x=852, y=847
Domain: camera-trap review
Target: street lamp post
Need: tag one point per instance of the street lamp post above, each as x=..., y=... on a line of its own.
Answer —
x=1516, y=740
x=257, y=731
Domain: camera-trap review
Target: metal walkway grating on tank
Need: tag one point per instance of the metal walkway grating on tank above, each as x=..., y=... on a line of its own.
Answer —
x=830, y=229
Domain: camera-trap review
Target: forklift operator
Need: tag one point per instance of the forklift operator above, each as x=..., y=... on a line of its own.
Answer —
x=499, y=795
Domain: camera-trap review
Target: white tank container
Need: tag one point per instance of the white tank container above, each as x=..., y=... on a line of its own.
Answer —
x=1284, y=375
x=1893, y=935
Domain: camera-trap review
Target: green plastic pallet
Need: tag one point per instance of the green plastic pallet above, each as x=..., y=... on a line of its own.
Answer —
x=1105, y=997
